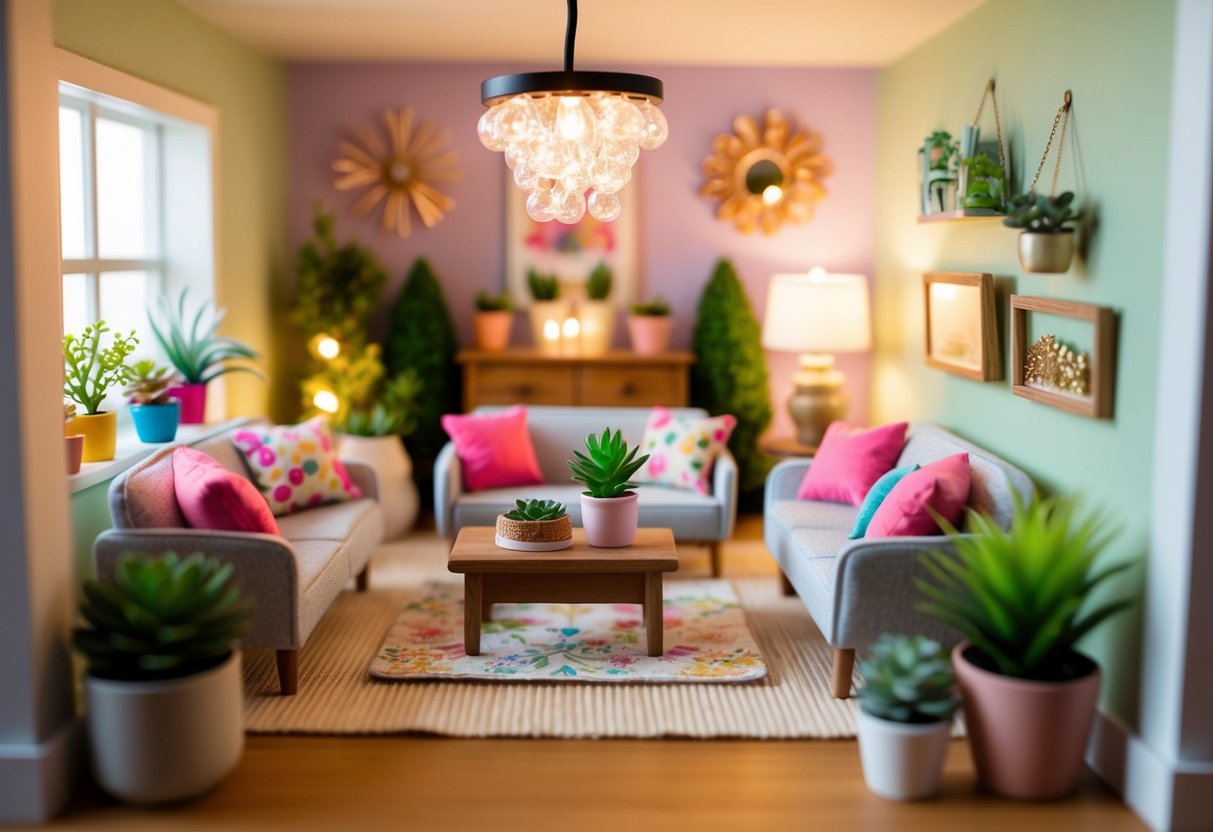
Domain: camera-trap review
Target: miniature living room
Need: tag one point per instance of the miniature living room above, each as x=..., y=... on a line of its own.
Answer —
x=777, y=415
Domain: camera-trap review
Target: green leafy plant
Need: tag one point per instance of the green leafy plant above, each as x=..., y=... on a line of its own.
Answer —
x=91, y=371
x=535, y=510
x=598, y=286
x=943, y=150
x=149, y=383
x=370, y=402
x=609, y=467
x=339, y=286
x=908, y=679
x=542, y=286
x=656, y=307
x=1042, y=214
x=730, y=373
x=192, y=346
x=1020, y=595
x=162, y=618
x=986, y=183
x=486, y=302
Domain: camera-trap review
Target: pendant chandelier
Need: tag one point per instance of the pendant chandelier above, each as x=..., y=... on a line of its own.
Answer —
x=568, y=134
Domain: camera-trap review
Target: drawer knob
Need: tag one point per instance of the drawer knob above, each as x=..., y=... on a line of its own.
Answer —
x=628, y=389
x=525, y=389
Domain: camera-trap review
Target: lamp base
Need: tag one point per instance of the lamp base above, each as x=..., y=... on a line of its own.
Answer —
x=818, y=398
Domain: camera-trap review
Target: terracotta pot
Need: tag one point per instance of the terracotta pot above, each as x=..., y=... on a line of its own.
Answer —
x=597, y=326
x=650, y=334
x=541, y=312
x=75, y=452
x=1027, y=737
x=610, y=522
x=492, y=330
x=901, y=760
x=100, y=432
x=1046, y=253
x=386, y=456
x=193, y=402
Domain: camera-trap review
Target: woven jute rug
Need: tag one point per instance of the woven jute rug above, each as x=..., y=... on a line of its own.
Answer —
x=337, y=694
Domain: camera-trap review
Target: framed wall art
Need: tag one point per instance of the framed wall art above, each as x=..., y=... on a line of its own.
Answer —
x=1068, y=364
x=961, y=327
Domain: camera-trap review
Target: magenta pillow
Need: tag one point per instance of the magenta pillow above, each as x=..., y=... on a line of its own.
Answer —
x=212, y=497
x=494, y=449
x=850, y=460
x=943, y=486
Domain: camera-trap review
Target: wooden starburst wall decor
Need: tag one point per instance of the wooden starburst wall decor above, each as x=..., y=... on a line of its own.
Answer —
x=405, y=168
x=765, y=177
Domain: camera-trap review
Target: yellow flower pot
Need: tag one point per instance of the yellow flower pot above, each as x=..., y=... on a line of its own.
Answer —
x=100, y=432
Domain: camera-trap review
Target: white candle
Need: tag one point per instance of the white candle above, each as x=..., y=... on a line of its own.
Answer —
x=551, y=336
x=572, y=336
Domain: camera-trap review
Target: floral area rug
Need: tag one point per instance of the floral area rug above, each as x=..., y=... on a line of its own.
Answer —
x=706, y=640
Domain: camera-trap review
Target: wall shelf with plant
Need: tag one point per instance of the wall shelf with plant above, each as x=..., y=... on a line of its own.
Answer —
x=960, y=180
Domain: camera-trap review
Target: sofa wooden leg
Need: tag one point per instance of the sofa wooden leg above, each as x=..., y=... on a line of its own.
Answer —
x=288, y=672
x=717, y=558
x=363, y=581
x=844, y=663
x=788, y=589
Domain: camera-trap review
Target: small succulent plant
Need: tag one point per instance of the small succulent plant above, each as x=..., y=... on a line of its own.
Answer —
x=149, y=384
x=542, y=286
x=609, y=467
x=598, y=287
x=908, y=679
x=536, y=510
x=162, y=618
x=486, y=302
x=1041, y=214
x=655, y=308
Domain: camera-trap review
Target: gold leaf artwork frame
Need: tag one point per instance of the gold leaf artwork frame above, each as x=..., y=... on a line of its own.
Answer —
x=1098, y=403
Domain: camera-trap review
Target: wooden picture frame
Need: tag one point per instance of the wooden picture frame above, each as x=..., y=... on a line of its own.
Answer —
x=1098, y=403
x=960, y=325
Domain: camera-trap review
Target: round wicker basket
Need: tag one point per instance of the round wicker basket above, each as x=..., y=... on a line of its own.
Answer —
x=535, y=531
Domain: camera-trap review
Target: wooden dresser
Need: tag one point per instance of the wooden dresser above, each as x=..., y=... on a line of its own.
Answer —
x=617, y=379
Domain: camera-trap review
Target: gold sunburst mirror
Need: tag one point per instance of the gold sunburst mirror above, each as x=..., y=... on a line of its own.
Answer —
x=764, y=177
x=408, y=166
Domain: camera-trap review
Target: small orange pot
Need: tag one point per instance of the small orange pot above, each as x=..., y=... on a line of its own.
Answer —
x=75, y=452
x=100, y=432
x=492, y=330
x=650, y=334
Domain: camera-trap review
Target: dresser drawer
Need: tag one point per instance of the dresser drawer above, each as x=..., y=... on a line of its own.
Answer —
x=630, y=385
x=520, y=384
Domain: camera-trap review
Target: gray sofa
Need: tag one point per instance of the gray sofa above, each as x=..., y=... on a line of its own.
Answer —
x=292, y=579
x=555, y=432
x=857, y=589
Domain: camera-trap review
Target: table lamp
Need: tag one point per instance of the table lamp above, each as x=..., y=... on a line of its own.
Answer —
x=817, y=315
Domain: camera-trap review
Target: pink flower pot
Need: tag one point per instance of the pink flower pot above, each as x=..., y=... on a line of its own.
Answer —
x=492, y=330
x=650, y=334
x=1027, y=737
x=193, y=402
x=610, y=522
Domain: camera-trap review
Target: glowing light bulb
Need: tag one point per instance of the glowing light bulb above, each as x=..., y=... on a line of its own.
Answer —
x=327, y=401
x=771, y=194
x=572, y=123
x=551, y=330
x=571, y=328
x=817, y=274
x=328, y=347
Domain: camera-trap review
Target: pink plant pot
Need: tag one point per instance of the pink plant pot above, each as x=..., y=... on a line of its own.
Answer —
x=492, y=330
x=193, y=402
x=75, y=452
x=1027, y=737
x=650, y=334
x=610, y=522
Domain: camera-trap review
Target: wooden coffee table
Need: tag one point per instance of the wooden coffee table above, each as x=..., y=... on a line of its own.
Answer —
x=580, y=574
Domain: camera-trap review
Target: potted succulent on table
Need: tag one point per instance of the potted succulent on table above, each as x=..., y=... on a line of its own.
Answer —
x=905, y=716
x=155, y=414
x=535, y=526
x=89, y=372
x=73, y=441
x=1020, y=598
x=1046, y=243
x=596, y=312
x=609, y=510
x=650, y=325
x=493, y=321
x=198, y=354
x=164, y=693
x=547, y=311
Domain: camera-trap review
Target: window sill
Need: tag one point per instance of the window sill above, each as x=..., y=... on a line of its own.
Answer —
x=131, y=451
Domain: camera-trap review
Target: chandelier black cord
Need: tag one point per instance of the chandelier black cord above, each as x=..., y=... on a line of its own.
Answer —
x=570, y=36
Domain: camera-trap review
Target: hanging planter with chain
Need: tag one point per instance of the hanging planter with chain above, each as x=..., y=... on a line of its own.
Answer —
x=983, y=183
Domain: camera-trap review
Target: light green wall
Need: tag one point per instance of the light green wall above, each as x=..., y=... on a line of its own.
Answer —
x=162, y=42
x=1116, y=57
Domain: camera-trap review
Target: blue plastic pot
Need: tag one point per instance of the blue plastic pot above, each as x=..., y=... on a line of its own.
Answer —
x=156, y=422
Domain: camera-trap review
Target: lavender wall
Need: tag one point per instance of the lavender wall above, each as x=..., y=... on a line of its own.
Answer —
x=680, y=237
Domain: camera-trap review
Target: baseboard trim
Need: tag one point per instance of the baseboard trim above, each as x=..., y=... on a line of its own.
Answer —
x=1167, y=794
x=36, y=780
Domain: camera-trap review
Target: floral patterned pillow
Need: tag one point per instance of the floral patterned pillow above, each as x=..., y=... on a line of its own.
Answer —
x=682, y=449
x=295, y=466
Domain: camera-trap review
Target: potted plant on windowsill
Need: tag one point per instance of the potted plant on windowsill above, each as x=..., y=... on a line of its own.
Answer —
x=198, y=354
x=1020, y=598
x=905, y=716
x=89, y=372
x=164, y=692
x=596, y=312
x=493, y=321
x=153, y=412
x=1046, y=242
x=535, y=526
x=73, y=441
x=547, y=311
x=650, y=325
x=609, y=510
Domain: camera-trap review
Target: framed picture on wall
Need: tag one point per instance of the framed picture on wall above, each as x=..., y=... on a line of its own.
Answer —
x=961, y=327
x=1063, y=354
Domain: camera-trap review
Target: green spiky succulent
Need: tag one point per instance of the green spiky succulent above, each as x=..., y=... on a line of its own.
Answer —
x=598, y=286
x=542, y=286
x=654, y=308
x=1042, y=214
x=162, y=617
x=609, y=467
x=908, y=679
x=192, y=345
x=488, y=302
x=535, y=510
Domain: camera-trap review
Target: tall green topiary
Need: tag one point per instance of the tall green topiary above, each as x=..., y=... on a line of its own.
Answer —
x=339, y=285
x=421, y=337
x=730, y=373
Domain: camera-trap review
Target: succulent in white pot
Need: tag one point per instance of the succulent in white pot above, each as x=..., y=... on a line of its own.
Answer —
x=609, y=508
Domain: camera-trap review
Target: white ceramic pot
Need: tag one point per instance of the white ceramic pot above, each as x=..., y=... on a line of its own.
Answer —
x=597, y=325
x=386, y=456
x=163, y=741
x=610, y=522
x=902, y=761
x=543, y=311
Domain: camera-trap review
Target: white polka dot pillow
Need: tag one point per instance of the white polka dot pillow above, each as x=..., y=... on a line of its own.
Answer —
x=295, y=466
x=682, y=449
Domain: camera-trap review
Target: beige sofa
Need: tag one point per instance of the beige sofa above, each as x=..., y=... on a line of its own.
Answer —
x=292, y=579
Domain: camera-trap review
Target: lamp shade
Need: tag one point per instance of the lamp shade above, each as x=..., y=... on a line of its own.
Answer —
x=817, y=312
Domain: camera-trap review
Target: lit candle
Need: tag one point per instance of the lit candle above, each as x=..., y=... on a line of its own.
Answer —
x=551, y=336
x=572, y=336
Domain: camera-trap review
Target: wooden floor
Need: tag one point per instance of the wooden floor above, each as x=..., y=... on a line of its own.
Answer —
x=421, y=784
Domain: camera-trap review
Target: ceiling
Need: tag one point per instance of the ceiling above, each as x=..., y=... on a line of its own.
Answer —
x=714, y=32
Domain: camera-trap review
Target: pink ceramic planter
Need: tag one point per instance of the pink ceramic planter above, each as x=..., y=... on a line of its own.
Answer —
x=193, y=402
x=650, y=334
x=610, y=522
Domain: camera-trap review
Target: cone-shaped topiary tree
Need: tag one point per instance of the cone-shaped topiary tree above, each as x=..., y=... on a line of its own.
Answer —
x=730, y=373
x=421, y=337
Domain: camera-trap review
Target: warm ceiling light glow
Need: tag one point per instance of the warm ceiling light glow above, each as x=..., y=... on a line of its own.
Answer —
x=326, y=400
x=772, y=194
x=328, y=347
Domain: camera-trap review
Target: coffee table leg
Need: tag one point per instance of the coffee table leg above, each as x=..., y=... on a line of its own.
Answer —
x=473, y=586
x=653, y=617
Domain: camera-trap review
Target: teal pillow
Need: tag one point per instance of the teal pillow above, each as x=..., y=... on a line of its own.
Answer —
x=875, y=497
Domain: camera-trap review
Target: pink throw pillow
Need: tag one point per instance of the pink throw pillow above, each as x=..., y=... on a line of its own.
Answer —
x=495, y=449
x=943, y=486
x=212, y=497
x=850, y=460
